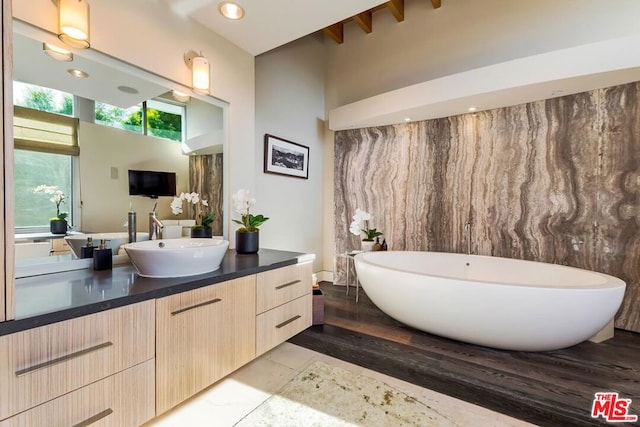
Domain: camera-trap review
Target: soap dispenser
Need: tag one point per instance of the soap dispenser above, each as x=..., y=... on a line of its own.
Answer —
x=86, y=251
x=102, y=257
x=377, y=246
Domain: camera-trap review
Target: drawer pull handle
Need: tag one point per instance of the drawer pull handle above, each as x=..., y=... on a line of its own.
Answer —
x=286, y=322
x=62, y=359
x=288, y=284
x=182, y=310
x=95, y=418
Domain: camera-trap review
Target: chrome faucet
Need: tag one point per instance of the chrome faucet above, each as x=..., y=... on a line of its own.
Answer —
x=467, y=230
x=155, y=225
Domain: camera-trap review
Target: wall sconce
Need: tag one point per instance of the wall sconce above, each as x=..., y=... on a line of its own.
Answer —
x=73, y=22
x=57, y=53
x=200, y=79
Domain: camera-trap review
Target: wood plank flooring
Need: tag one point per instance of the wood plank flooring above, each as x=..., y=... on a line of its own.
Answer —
x=554, y=388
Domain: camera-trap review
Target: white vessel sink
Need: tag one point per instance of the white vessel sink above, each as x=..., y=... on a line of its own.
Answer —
x=113, y=240
x=176, y=257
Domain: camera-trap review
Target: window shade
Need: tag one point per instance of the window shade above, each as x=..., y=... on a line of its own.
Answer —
x=45, y=132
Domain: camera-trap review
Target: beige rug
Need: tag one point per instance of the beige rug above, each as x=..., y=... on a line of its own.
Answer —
x=324, y=395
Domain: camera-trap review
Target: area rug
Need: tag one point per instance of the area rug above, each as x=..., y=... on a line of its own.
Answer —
x=324, y=395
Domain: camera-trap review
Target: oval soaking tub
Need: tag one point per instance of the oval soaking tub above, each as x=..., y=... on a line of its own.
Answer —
x=176, y=257
x=495, y=302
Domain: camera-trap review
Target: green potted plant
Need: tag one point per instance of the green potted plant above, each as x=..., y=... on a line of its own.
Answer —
x=203, y=220
x=359, y=225
x=57, y=224
x=247, y=236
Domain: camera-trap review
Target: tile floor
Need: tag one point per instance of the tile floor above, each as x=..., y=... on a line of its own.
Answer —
x=230, y=400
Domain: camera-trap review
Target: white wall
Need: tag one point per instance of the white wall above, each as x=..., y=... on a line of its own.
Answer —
x=146, y=34
x=105, y=199
x=290, y=105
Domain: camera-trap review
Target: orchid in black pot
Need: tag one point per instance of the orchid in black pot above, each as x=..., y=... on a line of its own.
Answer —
x=57, y=224
x=203, y=218
x=247, y=236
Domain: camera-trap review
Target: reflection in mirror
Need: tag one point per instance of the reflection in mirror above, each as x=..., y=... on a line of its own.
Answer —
x=128, y=120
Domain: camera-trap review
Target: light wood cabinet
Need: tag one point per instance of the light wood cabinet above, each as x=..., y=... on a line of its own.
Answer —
x=123, y=399
x=40, y=364
x=201, y=336
x=284, y=304
x=59, y=247
x=276, y=287
x=281, y=323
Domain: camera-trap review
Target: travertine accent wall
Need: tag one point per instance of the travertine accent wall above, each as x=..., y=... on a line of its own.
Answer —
x=555, y=181
x=205, y=178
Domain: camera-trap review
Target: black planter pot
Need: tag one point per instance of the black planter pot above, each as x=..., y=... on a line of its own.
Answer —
x=58, y=226
x=247, y=242
x=204, y=232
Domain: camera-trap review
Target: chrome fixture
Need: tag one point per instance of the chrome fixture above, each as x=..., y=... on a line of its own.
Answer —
x=467, y=230
x=155, y=225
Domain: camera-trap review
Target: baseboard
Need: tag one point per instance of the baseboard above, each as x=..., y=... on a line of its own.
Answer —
x=325, y=276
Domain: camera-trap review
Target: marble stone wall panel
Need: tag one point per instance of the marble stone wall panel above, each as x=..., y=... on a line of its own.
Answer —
x=618, y=245
x=554, y=181
x=205, y=178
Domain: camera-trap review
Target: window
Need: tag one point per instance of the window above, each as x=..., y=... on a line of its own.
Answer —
x=45, y=147
x=32, y=168
x=42, y=98
x=163, y=120
x=122, y=118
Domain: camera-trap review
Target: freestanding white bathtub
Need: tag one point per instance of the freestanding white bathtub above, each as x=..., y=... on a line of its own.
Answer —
x=495, y=302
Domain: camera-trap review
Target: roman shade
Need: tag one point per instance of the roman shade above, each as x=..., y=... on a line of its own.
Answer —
x=36, y=130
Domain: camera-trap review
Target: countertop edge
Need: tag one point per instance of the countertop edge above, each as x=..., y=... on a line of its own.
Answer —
x=19, y=325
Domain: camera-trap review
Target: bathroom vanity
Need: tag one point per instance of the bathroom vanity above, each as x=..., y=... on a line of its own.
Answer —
x=113, y=346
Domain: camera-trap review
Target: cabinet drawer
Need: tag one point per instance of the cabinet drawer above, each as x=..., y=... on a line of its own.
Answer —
x=203, y=335
x=123, y=399
x=43, y=363
x=278, y=325
x=277, y=287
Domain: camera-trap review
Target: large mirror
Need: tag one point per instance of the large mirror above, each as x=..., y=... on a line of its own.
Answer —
x=184, y=135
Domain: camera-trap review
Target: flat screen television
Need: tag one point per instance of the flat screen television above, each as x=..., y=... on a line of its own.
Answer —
x=151, y=183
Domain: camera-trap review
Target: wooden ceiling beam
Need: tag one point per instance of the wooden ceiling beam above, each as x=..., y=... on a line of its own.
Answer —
x=397, y=9
x=436, y=3
x=336, y=32
x=365, y=21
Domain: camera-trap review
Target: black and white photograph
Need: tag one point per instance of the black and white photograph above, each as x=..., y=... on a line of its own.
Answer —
x=285, y=157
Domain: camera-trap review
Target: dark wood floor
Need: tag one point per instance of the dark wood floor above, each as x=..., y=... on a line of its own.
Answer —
x=554, y=388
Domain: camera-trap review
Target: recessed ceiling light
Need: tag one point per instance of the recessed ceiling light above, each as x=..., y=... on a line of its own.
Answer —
x=57, y=53
x=78, y=73
x=472, y=108
x=230, y=10
x=128, y=89
x=407, y=119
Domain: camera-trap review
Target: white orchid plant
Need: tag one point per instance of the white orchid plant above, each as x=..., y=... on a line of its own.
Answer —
x=199, y=206
x=360, y=224
x=57, y=197
x=242, y=203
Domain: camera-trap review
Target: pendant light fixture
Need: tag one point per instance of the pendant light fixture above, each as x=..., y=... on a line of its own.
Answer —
x=200, y=71
x=73, y=23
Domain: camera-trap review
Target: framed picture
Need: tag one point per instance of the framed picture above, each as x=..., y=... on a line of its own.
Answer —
x=285, y=157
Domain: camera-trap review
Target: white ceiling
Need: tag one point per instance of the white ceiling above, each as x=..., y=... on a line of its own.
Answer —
x=269, y=24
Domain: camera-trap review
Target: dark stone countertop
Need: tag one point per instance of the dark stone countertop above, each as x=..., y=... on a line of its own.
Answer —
x=50, y=298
